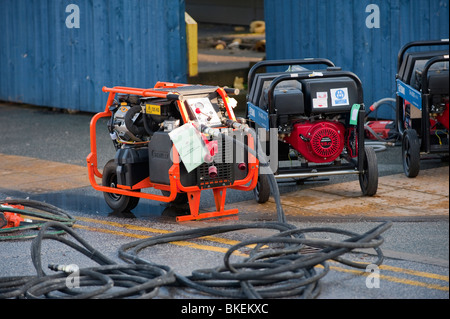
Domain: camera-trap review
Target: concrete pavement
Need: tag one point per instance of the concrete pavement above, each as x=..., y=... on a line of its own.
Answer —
x=398, y=196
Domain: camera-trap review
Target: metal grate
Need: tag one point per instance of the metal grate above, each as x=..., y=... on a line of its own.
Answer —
x=225, y=168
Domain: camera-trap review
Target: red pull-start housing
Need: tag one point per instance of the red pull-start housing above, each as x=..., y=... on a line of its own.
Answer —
x=318, y=142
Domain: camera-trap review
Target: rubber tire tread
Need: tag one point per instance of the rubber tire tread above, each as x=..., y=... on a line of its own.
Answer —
x=262, y=189
x=123, y=203
x=411, y=145
x=369, y=179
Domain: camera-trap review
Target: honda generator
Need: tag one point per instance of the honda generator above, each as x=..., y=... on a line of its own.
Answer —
x=312, y=122
x=422, y=102
x=176, y=138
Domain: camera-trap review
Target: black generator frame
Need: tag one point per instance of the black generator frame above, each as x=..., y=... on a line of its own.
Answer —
x=417, y=144
x=365, y=165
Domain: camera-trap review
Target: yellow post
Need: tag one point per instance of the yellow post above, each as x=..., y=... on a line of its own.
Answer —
x=192, y=44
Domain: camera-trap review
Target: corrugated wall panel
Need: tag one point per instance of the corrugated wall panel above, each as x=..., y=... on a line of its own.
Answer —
x=119, y=42
x=336, y=29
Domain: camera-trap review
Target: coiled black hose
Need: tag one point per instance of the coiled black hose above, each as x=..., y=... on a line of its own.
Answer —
x=140, y=281
x=276, y=266
x=270, y=271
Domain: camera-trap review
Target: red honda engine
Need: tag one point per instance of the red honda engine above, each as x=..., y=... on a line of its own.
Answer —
x=318, y=142
x=443, y=118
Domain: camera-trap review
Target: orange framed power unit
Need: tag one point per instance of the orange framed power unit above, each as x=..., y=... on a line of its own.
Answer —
x=177, y=138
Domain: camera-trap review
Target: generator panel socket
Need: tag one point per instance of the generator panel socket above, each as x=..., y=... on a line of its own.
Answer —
x=212, y=171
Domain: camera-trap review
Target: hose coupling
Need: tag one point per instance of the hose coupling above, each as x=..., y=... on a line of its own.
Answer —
x=69, y=269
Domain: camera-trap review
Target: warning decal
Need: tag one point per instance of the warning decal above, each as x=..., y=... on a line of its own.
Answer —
x=339, y=97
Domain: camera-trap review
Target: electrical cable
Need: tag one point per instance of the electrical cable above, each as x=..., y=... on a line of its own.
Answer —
x=141, y=281
x=265, y=166
x=375, y=105
x=263, y=162
x=278, y=266
x=380, y=144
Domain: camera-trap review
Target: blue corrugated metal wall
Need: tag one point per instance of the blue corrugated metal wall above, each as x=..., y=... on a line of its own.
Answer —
x=118, y=42
x=336, y=29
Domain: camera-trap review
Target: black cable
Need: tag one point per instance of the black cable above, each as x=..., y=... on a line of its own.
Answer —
x=137, y=280
x=135, y=125
x=283, y=267
x=264, y=165
x=276, y=267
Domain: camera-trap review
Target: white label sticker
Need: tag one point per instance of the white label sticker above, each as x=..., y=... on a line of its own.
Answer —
x=355, y=115
x=322, y=95
x=320, y=103
x=339, y=97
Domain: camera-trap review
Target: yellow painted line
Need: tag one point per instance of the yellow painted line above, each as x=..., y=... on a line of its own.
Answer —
x=127, y=226
x=178, y=243
x=414, y=272
x=108, y=231
x=233, y=242
x=394, y=279
x=154, y=230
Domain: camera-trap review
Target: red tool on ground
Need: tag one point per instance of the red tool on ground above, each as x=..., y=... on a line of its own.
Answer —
x=10, y=220
x=381, y=130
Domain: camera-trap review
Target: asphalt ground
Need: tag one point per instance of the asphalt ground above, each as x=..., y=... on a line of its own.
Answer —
x=43, y=157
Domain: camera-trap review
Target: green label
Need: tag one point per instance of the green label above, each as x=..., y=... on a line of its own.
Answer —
x=354, y=114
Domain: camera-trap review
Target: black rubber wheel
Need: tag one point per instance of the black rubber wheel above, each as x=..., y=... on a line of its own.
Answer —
x=262, y=189
x=117, y=202
x=368, y=179
x=411, y=153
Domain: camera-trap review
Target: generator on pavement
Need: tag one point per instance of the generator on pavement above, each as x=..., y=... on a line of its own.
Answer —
x=422, y=102
x=311, y=116
x=176, y=138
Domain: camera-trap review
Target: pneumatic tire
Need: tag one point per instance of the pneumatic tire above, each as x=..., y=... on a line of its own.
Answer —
x=411, y=153
x=262, y=189
x=368, y=179
x=117, y=202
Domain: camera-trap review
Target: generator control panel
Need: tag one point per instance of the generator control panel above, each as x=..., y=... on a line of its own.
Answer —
x=204, y=111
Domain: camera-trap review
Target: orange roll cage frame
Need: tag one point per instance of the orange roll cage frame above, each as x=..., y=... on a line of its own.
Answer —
x=175, y=186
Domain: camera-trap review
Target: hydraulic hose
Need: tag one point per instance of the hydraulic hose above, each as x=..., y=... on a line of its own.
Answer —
x=277, y=266
x=263, y=162
x=140, y=281
x=130, y=122
x=375, y=105
x=380, y=144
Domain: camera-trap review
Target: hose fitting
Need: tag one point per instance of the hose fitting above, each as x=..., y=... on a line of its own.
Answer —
x=210, y=131
x=69, y=269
